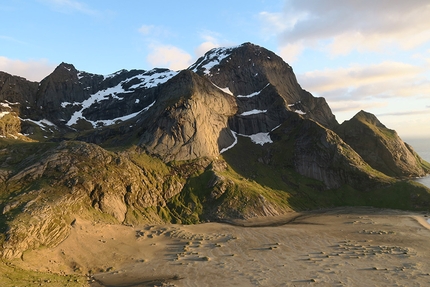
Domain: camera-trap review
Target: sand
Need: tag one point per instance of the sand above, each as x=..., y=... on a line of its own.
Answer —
x=340, y=247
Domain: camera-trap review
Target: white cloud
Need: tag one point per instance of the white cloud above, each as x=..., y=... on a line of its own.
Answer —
x=291, y=52
x=211, y=40
x=275, y=23
x=33, y=70
x=386, y=88
x=386, y=79
x=204, y=47
x=169, y=56
x=343, y=26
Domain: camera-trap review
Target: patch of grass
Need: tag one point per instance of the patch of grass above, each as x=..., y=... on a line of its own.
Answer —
x=187, y=206
x=12, y=276
x=146, y=161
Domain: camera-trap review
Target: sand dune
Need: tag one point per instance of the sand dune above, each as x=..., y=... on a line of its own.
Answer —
x=341, y=247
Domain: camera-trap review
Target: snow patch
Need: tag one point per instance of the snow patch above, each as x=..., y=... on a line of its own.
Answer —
x=80, y=75
x=259, y=138
x=6, y=105
x=65, y=104
x=275, y=128
x=99, y=96
x=253, y=112
x=232, y=145
x=120, y=119
x=225, y=90
x=43, y=124
x=300, y=112
x=291, y=105
x=114, y=74
x=148, y=80
x=213, y=58
x=253, y=94
x=2, y=114
x=152, y=79
x=137, y=101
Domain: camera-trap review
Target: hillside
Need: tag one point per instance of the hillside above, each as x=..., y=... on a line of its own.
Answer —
x=234, y=136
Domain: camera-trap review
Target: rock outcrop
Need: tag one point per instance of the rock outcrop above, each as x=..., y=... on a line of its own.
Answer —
x=190, y=119
x=79, y=178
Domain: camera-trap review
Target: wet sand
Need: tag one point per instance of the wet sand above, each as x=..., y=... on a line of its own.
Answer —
x=340, y=247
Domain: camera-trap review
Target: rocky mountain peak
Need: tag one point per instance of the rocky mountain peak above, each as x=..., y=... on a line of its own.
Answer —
x=64, y=69
x=380, y=147
x=242, y=69
x=265, y=88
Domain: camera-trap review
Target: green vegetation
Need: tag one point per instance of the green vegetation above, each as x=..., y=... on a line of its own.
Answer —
x=12, y=276
x=9, y=124
x=247, y=181
x=288, y=188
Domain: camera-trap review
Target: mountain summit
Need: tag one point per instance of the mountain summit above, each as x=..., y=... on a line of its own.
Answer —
x=232, y=136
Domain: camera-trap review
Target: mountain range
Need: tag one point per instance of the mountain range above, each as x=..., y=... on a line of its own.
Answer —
x=232, y=136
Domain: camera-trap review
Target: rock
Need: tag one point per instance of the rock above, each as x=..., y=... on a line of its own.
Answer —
x=260, y=80
x=190, y=120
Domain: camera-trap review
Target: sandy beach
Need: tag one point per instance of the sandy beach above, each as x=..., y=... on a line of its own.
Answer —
x=340, y=247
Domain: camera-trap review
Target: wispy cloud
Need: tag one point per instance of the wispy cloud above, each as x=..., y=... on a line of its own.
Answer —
x=68, y=6
x=11, y=39
x=406, y=113
x=382, y=80
x=154, y=32
x=33, y=70
x=354, y=106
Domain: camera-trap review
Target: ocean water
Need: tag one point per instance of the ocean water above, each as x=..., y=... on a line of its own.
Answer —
x=422, y=147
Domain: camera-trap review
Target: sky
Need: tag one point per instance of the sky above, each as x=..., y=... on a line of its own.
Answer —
x=371, y=55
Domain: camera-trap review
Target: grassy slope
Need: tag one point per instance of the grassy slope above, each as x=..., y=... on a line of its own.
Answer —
x=245, y=179
x=16, y=277
x=304, y=193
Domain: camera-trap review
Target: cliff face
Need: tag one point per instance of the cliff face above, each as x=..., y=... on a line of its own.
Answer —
x=321, y=154
x=190, y=120
x=14, y=89
x=381, y=147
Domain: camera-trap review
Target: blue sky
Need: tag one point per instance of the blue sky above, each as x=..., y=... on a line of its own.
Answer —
x=370, y=54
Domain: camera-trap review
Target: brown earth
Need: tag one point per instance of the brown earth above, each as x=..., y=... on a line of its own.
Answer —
x=341, y=247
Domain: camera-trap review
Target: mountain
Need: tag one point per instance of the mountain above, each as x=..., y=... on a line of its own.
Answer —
x=232, y=136
x=381, y=147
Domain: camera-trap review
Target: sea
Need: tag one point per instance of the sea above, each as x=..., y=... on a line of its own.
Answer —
x=422, y=147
